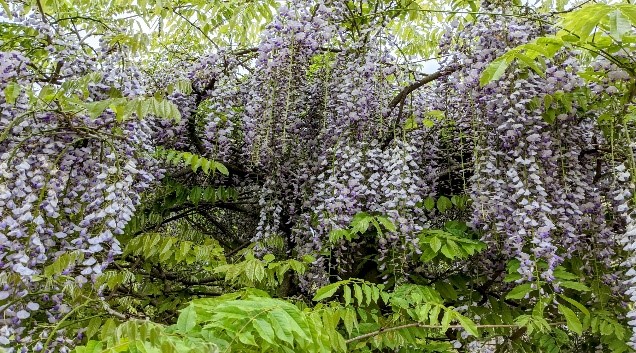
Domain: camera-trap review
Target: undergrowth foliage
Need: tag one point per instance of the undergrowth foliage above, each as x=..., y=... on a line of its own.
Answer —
x=284, y=177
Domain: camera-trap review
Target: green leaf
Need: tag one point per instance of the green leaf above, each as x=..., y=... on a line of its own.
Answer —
x=386, y=223
x=574, y=285
x=12, y=91
x=93, y=327
x=357, y=290
x=582, y=22
x=561, y=273
x=512, y=277
x=446, y=251
x=349, y=319
x=444, y=203
x=95, y=109
x=347, y=295
x=246, y=337
x=446, y=320
x=265, y=330
x=91, y=347
x=570, y=317
x=446, y=290
x=360, y=223
x=429, y=203
x=187, y=319
x=494, y=71
x=326, y=291
x=435, y=244
x=629, y=11
x=520, y=291
x=368, y=293
x=120, y=111
x=221, y=168
x=530, y=62
x=468, y=325
x=619, y=25
x=576, y=304
x=410, y=124
x=108, y=329
x=282, y=325
x=7, y=11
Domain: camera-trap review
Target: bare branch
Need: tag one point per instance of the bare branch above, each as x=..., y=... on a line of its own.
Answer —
x=417, y=84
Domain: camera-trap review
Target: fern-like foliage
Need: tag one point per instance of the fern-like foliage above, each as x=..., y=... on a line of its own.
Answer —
x=191, y=160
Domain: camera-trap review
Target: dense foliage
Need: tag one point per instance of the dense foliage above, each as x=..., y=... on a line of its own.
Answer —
x=290, y=176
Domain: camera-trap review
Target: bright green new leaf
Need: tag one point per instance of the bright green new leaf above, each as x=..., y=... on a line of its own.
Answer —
x=386, y=223
x=435, y=244
x=619, y=25
x=11, y=92
x=346, y=295
x=326, y=291
x=494, y=70
x=5, y=6
x=264, y=329
x=582, y=22
x=187, y=319
x=357, y=292
x=221, y=168
x=95, y=109
x=629, y=11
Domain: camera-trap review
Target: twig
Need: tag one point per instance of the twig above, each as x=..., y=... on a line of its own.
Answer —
x=572, y=9
x=401, y=97
x=41, y=9
x=113, y=311
x=197, y=28
x=419, y=325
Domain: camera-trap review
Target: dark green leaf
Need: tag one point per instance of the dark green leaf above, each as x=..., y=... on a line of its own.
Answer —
x=520, y=291
x=444, y=203
x=468, y=325
x=573, y=322
x=574, y=285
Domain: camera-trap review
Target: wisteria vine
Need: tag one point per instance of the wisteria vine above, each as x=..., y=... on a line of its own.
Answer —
x=320, y=125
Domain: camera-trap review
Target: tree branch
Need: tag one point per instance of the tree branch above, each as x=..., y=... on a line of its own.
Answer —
x=167, y=220
x=417, y=84
x=401, y=97
x=196, y=27
x=419, y=325
x=255, y=50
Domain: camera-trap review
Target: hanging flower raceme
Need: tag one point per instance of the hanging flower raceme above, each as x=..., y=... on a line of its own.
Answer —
x=69, y=183
x=534, y=198
x=370, y=179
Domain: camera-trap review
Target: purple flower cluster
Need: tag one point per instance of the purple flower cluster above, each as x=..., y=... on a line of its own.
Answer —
x=608, y=84
x=365, y=178
x=315, y=118
x=68, y=186
x=534, y=196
